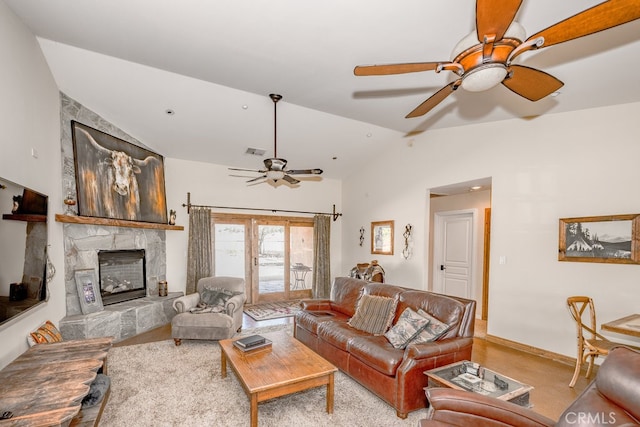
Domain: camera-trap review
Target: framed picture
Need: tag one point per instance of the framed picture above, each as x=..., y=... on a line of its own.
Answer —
x=88, y=291
x=382, y=237
x=609, y=239
x=116, y=179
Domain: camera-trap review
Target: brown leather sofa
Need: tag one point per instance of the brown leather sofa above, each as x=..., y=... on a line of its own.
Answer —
x=395, y=375
x=612, y=399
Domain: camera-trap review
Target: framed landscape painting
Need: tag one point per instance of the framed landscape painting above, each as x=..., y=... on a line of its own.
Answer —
x=608, y=239
x=116, y=179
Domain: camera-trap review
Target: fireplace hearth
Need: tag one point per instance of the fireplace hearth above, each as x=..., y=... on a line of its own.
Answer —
x=122, y=275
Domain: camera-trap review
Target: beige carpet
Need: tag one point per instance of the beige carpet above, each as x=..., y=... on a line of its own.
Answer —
x=159, y=384
x=272, y=310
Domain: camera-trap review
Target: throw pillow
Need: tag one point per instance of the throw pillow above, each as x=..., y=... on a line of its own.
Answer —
x=46, y=333
x=434, y=329
x=216, y=296
x=407, y=327
x=374, y=314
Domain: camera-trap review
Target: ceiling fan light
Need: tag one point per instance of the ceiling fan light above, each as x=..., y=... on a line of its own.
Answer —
x=275, y=175
x=484, y=77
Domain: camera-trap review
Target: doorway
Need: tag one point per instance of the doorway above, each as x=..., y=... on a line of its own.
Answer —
x=460, y=198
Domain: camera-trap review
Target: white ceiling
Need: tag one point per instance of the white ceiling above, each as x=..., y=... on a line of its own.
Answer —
x=215, y=62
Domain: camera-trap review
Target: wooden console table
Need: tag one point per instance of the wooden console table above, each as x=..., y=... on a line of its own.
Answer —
x=46, y=384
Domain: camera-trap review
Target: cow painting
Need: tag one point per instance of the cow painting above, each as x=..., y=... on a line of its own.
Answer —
x=116, y=179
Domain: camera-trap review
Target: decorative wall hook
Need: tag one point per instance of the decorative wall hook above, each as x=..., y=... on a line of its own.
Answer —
x=406, y=252
x=361, y=235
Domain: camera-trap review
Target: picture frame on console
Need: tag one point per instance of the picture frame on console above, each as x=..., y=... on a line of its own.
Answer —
x=382, y=237
x=116, y=179
x=606, y=239
x=88, y=291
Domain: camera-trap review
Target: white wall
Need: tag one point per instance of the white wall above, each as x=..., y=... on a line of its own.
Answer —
x=29, y=118
x=211, y=184
x=565, y=165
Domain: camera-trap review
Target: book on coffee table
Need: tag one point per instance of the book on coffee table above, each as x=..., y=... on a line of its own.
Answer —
x=250, y=341
x=264, y=345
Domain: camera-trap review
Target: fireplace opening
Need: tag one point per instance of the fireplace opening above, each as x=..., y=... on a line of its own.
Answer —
x=122, y=275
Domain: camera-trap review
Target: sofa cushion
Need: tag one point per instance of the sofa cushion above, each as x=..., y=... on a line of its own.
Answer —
x=432, y=331
x=377, y=353
x=407, y=327
x=374, y=314
x=310, y=321
x=338, y=333
x=345, y=294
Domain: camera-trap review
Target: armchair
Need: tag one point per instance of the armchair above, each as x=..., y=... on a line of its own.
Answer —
x=214, y=312
x=611, y=399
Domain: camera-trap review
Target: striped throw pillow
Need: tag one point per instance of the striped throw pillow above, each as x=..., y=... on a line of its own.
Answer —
x=374, y=314
x=46, y=333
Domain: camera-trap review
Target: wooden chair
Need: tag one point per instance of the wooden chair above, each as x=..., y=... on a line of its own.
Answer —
x=590, y=343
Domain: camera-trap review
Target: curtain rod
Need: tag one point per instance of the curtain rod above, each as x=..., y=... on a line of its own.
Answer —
x=335, y=215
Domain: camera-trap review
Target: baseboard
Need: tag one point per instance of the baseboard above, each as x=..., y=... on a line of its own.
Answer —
x=533, y=350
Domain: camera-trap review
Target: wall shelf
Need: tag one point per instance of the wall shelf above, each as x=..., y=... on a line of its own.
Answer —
x=25, y=217
x=73, y=219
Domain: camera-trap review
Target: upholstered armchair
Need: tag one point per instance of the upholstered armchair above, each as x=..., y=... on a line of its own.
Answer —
x=214, y=312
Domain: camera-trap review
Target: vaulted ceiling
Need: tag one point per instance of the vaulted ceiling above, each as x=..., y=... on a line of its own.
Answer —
x=213, y=63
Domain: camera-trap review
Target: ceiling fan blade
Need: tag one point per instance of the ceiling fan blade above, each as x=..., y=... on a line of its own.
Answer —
x=290, y=180
x=304, y=172
x=531, y=83
x=493, y=17
x=600, y=17
x=434, y=100
x=255, y=179
x=383, y=70
x=246, y=170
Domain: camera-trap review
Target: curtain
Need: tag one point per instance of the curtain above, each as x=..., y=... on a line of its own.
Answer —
x=321, y=262
x=199, y=254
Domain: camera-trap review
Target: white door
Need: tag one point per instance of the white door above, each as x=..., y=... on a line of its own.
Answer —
x=453, y=253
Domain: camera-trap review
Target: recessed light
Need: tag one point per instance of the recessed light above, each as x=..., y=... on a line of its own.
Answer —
x=170, y=112
x=476, y=187
x=245, y=107
x=369, y=135
x=554, y=94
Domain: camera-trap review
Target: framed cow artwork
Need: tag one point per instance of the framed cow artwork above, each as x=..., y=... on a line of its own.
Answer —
x=117, y=179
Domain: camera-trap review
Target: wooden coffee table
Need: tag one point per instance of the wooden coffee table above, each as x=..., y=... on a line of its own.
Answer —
x=287, y=367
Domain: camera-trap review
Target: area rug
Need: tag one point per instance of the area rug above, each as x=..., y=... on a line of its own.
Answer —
x=159, y=384
x=272, y=310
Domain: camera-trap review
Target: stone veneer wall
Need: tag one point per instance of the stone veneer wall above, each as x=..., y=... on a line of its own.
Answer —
x=82, y=242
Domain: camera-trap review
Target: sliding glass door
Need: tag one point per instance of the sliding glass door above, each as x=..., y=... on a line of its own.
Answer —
x=273, y=254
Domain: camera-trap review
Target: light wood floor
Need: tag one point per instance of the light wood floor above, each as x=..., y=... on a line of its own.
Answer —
x=550, y=378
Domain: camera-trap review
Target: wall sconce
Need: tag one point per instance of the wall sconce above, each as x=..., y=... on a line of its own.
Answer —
x=362, y=230
x=406, y=252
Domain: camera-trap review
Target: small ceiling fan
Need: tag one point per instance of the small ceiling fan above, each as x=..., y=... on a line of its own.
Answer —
x=275, y=167
x=484, y=58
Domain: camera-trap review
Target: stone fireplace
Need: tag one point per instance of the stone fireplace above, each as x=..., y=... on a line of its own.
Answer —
x=83, y=244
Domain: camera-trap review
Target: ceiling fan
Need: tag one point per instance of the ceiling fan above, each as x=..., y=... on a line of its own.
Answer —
x=275, y=167
x=484, y=58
